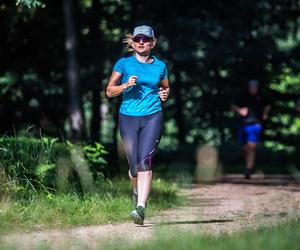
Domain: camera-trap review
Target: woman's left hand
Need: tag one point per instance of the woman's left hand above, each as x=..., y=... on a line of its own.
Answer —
x=163, y=94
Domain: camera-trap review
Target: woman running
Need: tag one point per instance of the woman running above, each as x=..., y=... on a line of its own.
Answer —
x=143, y=80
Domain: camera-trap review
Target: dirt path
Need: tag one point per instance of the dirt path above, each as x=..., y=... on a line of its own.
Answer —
x=229, y=206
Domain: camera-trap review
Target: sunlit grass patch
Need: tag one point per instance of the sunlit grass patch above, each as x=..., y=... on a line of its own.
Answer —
x=110, y=205
x=281, y=237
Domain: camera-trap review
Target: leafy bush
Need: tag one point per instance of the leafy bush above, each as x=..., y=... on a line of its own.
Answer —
x=94, y=155
x=29, y=164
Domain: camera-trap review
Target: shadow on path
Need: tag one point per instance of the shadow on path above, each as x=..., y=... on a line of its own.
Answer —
x=192, y=222
x=259, y=179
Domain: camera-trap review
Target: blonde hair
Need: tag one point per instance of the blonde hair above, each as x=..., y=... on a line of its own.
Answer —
x=129, y=42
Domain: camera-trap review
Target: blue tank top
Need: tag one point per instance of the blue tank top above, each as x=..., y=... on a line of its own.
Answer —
x=141, y=99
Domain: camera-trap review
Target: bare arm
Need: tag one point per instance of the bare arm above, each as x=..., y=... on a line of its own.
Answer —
x=234, y=108
x=114, y=89
x=241, y=111
x=164, y=90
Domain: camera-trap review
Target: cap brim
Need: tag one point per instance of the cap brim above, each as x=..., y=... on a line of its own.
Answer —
x=141, y=34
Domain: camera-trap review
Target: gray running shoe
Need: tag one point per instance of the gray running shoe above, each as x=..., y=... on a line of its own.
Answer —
x=138, y=215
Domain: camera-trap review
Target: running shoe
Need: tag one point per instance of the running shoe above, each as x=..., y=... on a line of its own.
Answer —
x=138, y=215
x=248, y=173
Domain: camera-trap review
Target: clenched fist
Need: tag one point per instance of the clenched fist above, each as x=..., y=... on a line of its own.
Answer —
x=163, y=94
x=131, y=81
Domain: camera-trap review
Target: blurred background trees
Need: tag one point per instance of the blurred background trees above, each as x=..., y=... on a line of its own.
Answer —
x=56, y=85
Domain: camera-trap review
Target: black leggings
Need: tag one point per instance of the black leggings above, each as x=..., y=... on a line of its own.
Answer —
x=140, y=136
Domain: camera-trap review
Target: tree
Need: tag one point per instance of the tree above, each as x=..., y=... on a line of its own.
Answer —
x=211, y=51
x=97, y=60
x=72, y=71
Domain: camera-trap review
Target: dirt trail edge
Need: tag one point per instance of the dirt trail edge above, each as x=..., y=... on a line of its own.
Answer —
x=221, y=208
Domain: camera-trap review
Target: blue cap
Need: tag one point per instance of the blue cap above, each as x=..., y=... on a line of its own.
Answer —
x=143, y=30
x=253, y=83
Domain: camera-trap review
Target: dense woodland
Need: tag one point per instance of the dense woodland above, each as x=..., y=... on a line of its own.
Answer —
x=56, y=58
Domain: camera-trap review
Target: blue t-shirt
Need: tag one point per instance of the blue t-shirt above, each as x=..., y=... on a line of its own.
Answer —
x=141, y=99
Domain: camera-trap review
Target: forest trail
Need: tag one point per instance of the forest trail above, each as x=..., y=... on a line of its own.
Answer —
x=232, y=205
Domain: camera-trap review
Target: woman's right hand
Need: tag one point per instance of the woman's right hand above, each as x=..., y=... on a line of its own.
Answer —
x=131, y=81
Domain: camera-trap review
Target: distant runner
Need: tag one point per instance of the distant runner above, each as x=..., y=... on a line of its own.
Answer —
x=253, y=110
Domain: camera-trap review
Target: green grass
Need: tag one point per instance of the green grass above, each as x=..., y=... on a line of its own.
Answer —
x=112, y=204
x=282, y=237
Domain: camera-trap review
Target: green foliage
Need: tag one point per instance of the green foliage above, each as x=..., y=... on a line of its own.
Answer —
x=29, y=164
x=7, y=82
x=31, y=4
x=211, y=52
x=21, y=157
x=94, y=154
x=42, y=170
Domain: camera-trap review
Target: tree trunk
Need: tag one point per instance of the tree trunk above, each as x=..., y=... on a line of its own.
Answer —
x=115, y=169
x=96, y=79
x=72, y=72
x=179, y=117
